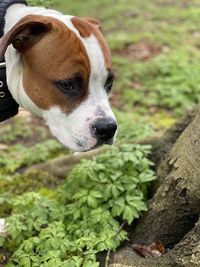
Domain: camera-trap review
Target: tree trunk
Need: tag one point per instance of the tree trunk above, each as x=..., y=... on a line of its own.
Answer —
x=173, y=215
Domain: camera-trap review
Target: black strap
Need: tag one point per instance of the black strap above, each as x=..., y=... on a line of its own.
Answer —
x=4, y=5
x=8, y=106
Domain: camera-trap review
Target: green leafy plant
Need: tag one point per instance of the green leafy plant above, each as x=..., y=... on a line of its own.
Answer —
x=12, y=131
x=169, y=81
x=83, y=216
x=129, y=129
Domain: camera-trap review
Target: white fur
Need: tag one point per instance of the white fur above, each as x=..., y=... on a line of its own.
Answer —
x=73, y=130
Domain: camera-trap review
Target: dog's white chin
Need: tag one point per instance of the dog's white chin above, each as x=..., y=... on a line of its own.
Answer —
x=71, y=141
x=78, y=145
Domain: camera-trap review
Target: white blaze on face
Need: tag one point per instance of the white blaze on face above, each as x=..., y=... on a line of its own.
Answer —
x=74, y=129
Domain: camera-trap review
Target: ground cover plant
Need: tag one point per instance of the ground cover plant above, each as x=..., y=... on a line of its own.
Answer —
x=78, y=220
x=67, y=222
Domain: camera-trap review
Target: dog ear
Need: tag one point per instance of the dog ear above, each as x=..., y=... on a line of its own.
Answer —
x=86, y=26
x=95, y=22
x=26, y=33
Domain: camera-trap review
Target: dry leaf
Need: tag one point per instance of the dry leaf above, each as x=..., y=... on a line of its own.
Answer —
x=156, y=249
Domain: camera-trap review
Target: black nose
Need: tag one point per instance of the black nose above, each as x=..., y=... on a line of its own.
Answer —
x=104, y=129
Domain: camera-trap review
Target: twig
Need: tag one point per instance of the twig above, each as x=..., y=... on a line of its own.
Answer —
x=109, y=251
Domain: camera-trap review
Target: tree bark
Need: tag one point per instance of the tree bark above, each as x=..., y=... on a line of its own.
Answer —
x=173, y=215
x=185, y=254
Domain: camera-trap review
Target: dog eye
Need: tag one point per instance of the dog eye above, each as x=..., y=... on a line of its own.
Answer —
x=109, y=82
x=67, y=87
x=71, y=87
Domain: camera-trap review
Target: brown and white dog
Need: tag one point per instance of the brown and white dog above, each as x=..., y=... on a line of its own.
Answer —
x=59, y=68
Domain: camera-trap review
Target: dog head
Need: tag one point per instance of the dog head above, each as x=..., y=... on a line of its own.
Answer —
x=66, y=76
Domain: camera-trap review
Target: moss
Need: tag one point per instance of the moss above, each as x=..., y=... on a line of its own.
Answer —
x=27, y=182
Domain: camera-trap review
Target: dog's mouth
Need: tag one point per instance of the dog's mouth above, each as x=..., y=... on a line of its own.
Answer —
x=98, y=144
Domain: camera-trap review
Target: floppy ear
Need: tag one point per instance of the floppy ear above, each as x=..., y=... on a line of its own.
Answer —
x=86, y=26
x=95, y=22
x=26, y=33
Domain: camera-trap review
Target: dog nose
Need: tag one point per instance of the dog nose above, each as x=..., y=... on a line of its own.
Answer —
x=104, y=129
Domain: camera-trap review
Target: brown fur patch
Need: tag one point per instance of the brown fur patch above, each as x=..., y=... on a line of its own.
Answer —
x=59, y=55
x=86, y=27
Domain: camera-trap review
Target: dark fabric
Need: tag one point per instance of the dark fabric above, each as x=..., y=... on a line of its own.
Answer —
x=4, y=5
x=8, y=106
